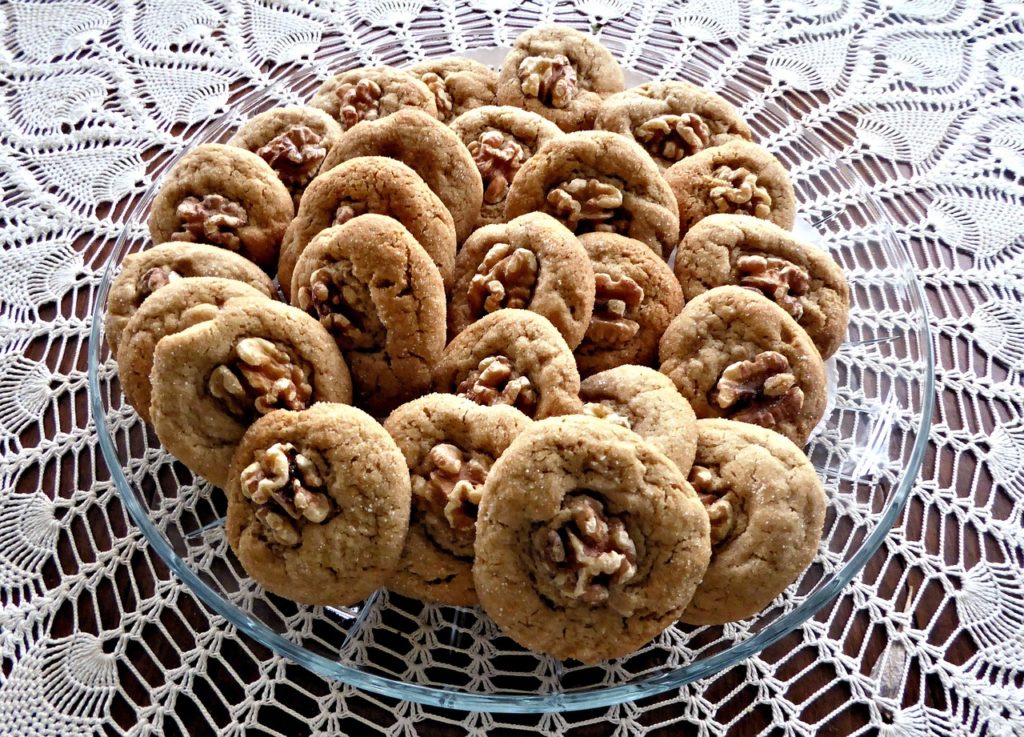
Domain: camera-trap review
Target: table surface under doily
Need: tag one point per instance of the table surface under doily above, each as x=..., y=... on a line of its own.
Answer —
x=96, y=637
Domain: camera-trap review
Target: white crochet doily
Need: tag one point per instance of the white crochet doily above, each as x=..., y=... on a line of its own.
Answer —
x=96, y=636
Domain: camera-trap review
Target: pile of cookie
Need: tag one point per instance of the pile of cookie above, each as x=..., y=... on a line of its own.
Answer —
x=458, y=396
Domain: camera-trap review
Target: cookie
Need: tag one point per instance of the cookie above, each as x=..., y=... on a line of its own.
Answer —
x=449, y=444
x=377, y=185
x=530, y=263
x=501, y=139
x=646, y=402
x=672, y=120
x=735, y=354
x=181, y=304
x=224, y=196
x=378, y=294
x=458, y=84
x=589, y=542
x=636, y=298
x=598, y=181
x=318, y=504
x=512, y=357
x=213, y=380
x=431, y=149
x=802, y=279
x=293, y=140
x=738, y=177
x=147, y=271
x=371, y=93
x=560, y=73
x=767, y=509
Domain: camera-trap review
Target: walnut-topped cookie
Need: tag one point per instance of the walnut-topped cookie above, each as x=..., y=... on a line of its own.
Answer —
x=766, y=505
x=431, y=149
x=589, y=542
x=531, y=263
x=224, y=196
x=801, y=278
x=672, y=120
x=598, y=181
x=737, y=177
x=378, y=294
x=736, y=354
x=458, y=84
x=559, y=73
x=318, y=504
x=450, y=444
x=512, y=357
x=501, y=139
x=371, y=93
x=213, y=380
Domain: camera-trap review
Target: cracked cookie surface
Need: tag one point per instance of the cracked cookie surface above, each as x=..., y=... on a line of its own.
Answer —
x=458, y=84
x=371, y=93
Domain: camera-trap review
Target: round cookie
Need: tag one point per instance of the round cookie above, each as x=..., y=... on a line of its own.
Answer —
x=737, y=177
x=318, y=504
x=371, y=93
x=636, y=298
x=147, y=271
x=371, y=184
x=375, y=290
x=431, y=149
x=598, y=181
x=671, y=120
x=213, y=380
x=589, y=541
x=560, y=73
x=181, y=304
x=646, y=402
x=799, y=277
x=500, y=139
x=531, y=263
x=458, y=84
x=512, y=357
x=224, y=196
x=767, y=509
x=735, y=354
x=293, y=140
x=449, y=444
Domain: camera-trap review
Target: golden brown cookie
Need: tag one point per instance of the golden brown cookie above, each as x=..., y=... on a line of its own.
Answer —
x=318, y=504
x=531, y=263
x=589, y=541
x=450, y=444
x=458, y=84
x=371, y=93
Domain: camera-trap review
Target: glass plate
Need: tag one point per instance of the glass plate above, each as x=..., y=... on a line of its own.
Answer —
x=868, y=449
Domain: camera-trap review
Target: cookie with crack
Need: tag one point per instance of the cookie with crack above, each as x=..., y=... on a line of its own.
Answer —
x=589, y=542
x=560, y=73
x=735, y=354
x=318, y=504
x=431, y=149
x=512, y=357
x=531, y=263
x=213, y=380
x=449, y=444
x=598, y=181
x=458, y=84
x=671, y=120
x=766, y=505
x=636, y=297
x=378, y=294
x=376, y=185
x=371, y=93
x=501, y=139
x=293, y=140
x=224, y=196
x=801, y=278
x=143, y=273
x=737, y=177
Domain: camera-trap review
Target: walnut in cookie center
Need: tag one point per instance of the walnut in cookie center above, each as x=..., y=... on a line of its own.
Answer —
x=505, y=278
x=550, y=79
x=721, y=502
x=673, y=137
x=761, y=390
x=496, y=381
x=498, y=158
x=212, y=219
x=264, y=376
x=344, y=306
x=295, y=154
x=780, y=280
x=588, y=205
x=152, y=279
x=447, y=488
x=615, y=306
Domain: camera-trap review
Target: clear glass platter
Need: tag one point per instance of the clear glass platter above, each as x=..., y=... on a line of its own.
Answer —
x=868, y=449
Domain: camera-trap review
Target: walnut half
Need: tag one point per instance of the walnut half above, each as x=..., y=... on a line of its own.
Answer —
x=586, y=205
x=153, y=279
x=214, y=219
x=674, y=137
x=777, y=279
x=496, y=381
x=359, y=101
x=737, y=190
x=504, y=279
x=761, y=391
x=614, y=301
x=498, y=158
x=442, y=98
x=718, y=499
x=295, y=155
x=446, y=490
x=264, y=376
x=551, y=79
x=344, y=306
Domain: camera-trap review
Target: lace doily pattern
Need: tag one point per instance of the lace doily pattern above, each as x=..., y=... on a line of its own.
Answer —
x=922, y=99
